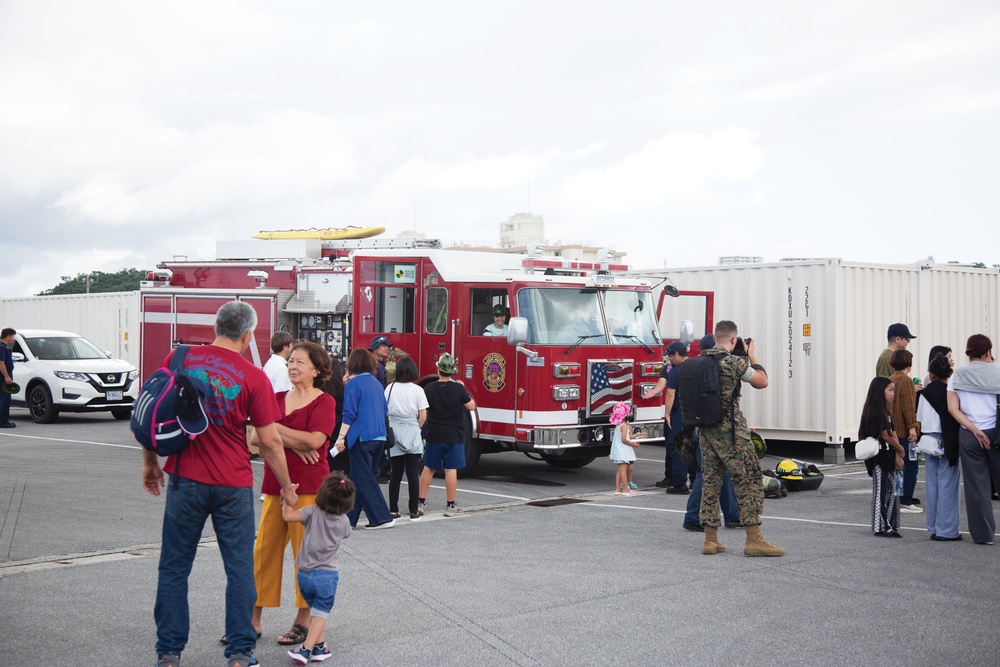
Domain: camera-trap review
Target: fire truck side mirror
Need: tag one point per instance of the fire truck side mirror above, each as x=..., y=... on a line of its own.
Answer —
x=687, y=332
x=517, y=331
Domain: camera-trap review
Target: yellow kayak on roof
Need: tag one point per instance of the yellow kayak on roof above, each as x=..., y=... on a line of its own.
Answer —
x=322, y=234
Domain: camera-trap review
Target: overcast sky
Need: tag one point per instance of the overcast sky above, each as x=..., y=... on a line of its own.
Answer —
x=675, y=131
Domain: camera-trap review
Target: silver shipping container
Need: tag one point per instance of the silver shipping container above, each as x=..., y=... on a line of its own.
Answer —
x=109, y=319
x=821, y=324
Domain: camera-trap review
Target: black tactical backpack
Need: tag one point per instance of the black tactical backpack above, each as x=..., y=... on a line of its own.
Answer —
x=699, y=389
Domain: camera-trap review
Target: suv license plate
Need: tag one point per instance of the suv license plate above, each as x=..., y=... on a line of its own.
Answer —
x=114, y=396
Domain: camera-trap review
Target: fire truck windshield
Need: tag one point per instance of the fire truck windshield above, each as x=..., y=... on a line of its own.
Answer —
x=561, y=316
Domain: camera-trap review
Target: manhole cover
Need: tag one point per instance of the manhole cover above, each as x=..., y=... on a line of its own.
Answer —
x=555, y=502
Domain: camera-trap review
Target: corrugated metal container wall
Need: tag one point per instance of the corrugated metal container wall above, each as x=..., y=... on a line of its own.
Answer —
x=109, y=319
x=870, y=297
x=773, y=303
x=821, y=325
x=954, y=304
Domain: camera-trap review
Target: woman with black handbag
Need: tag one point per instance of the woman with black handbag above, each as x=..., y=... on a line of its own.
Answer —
x=407, y=414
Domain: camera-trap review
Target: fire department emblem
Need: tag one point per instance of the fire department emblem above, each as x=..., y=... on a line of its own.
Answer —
x=494, y=372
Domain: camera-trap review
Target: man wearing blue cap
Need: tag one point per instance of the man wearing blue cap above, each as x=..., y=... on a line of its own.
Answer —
x=379, y=347
x=674, y=469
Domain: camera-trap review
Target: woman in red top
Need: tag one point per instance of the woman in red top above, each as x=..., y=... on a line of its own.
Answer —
x=308, y=417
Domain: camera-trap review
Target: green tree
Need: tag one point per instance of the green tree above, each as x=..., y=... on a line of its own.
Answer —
x=125, y=280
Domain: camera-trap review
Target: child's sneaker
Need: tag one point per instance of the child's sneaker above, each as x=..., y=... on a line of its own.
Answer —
x=169, y=660
x=300, y=655
x=242, y=660
x=630, y=493
x=320, y=652
x=451, y=510
x=420, y=508
x=632, y=486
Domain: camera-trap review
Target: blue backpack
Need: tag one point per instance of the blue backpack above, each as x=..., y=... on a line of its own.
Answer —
x=168, y=413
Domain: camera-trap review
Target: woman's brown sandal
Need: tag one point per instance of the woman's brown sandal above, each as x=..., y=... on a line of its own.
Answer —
x=296, y=635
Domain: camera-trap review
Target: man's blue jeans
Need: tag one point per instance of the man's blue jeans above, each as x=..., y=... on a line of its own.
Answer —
x=188, y=507
x=366, y=457
x=727, y=500
x=676, y=469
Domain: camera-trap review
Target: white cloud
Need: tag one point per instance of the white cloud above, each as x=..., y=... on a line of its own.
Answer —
x=677, y=170
x=176, y=174
x=369, y=36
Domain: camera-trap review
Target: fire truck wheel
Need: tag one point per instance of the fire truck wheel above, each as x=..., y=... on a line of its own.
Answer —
x=568, y=461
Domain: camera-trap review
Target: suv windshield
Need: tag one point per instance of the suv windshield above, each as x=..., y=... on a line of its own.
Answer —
x=560, y=316
x=64, y=347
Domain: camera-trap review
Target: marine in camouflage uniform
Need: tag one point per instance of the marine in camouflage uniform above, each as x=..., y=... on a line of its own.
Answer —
x=722, y=451
x=719, y=453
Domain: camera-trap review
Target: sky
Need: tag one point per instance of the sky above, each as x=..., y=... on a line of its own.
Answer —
x=677, y=132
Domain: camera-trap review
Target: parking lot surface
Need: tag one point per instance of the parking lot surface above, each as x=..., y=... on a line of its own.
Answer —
x=591, y=579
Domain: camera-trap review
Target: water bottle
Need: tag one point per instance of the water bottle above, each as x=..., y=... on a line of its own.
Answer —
x=899, y=483
x=913, y=451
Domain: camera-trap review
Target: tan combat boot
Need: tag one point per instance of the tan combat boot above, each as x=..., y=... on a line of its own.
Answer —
x=756, y=546
x=712, y=544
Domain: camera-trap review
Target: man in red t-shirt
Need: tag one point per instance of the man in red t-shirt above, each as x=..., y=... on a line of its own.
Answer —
x=214, y=479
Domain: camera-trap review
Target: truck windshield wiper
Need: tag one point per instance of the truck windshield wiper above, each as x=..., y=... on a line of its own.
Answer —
x=581, y=339
x=636, y=339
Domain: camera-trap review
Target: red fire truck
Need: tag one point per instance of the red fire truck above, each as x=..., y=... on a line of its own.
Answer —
x=581, y=337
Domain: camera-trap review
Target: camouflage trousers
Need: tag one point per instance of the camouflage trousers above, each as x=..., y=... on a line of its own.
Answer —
x=718, y=455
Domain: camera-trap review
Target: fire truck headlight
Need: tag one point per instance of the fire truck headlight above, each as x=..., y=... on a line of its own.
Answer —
x=646, y=386
x=565, y=392
x=650, y=369
x=565, y=371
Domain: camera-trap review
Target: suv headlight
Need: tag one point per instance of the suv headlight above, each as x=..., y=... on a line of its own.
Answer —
x=70, y=375
x=132, y=375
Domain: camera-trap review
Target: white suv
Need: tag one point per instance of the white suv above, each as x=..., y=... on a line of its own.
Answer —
x=60, y=371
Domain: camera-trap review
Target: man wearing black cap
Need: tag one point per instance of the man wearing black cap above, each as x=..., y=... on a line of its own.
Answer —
x=899, y=337
x=674, y=469
x=379, y=348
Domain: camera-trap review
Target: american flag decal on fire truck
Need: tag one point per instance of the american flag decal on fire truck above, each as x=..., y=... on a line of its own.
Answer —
x=610, y=382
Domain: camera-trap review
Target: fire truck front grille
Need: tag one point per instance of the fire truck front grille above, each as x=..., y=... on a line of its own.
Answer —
x=610, y=382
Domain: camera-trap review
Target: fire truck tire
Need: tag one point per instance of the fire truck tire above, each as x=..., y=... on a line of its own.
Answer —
x=567, y=461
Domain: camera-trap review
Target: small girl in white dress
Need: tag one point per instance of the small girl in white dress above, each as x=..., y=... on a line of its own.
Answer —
x=622, y=448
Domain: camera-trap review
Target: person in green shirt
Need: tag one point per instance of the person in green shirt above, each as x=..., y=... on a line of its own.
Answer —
x=899, y=337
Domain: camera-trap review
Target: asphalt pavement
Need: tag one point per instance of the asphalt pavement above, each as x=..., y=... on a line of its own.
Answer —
x=592, y=579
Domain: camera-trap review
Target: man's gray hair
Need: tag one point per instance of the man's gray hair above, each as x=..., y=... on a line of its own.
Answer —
x=235, y=319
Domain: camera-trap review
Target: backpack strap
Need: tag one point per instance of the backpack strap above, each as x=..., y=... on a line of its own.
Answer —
x=717, y=358
x=177, y=361
x=176, y=366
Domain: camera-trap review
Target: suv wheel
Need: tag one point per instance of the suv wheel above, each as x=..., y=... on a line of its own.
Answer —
x=40, y=405
x=122, y=414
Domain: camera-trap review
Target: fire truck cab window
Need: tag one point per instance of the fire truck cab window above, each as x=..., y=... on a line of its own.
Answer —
x=483, y=301
x=562, y=316
x=437, y=310
x=588, y=317
x=395, y=298
x=630, y=316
